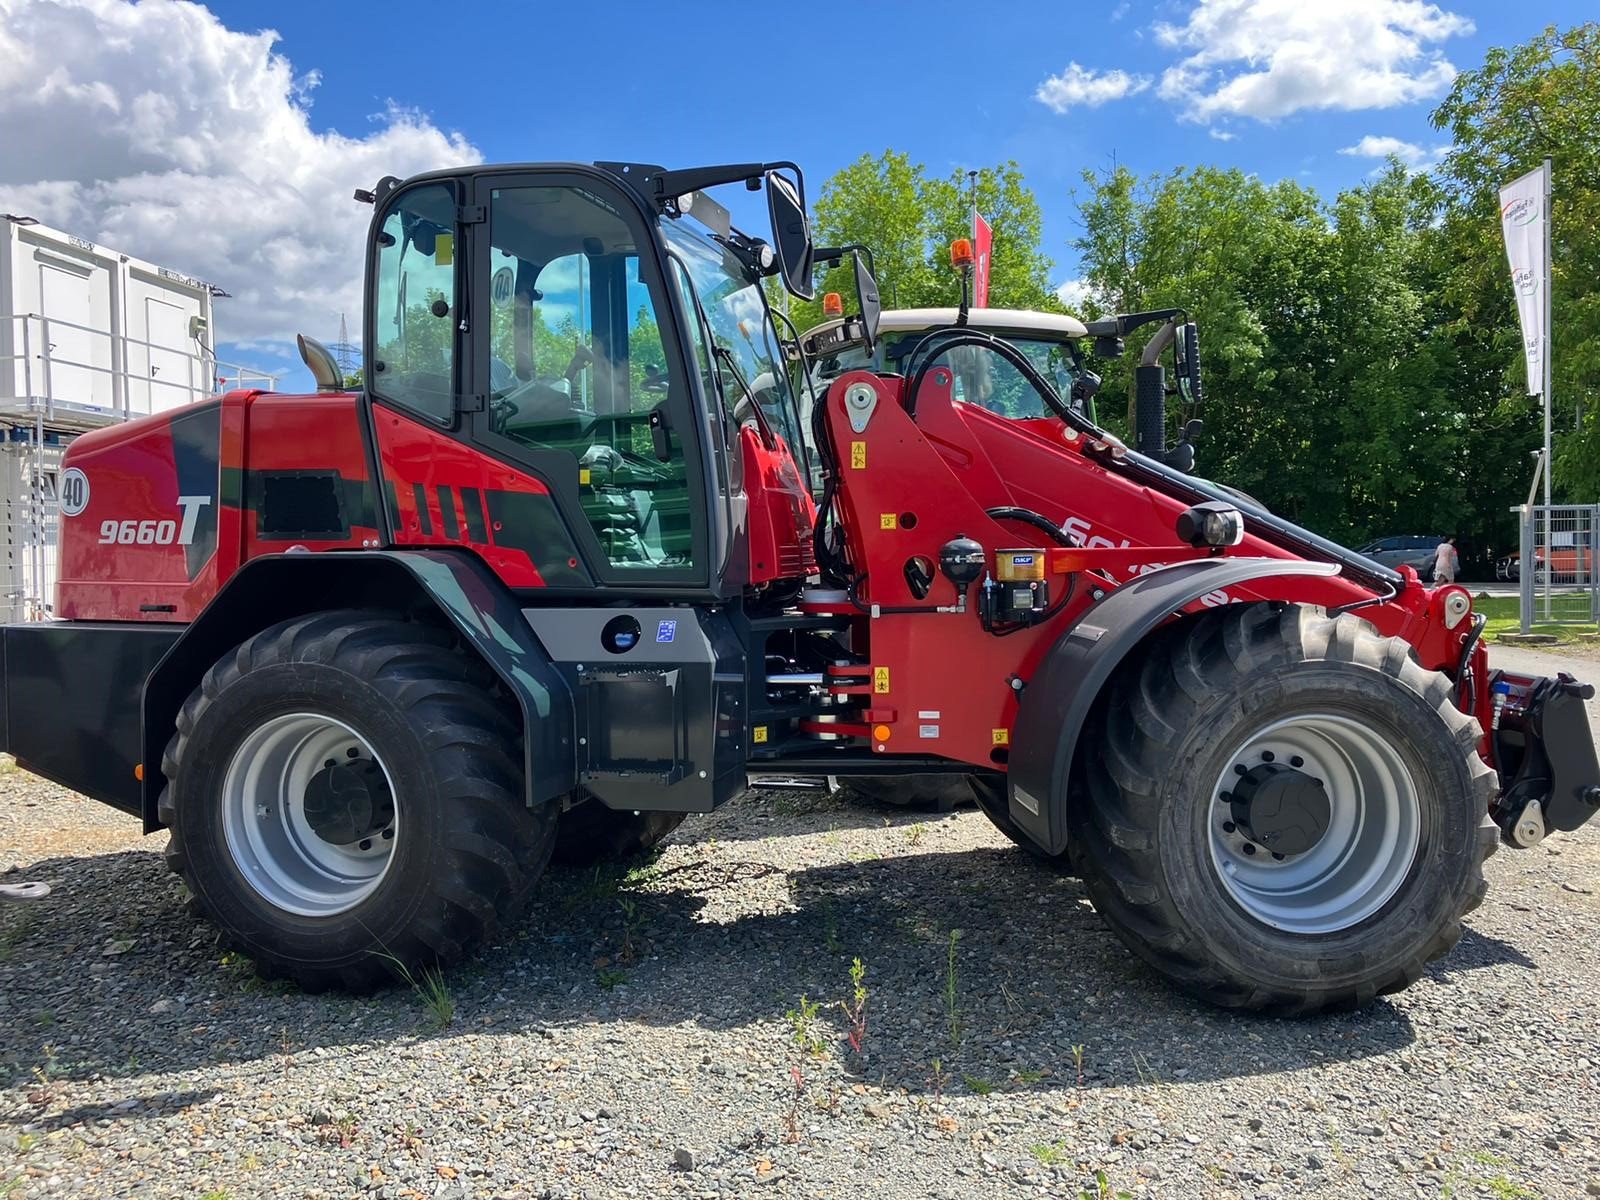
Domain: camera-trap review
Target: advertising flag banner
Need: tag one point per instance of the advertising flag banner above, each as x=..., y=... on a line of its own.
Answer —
x=1523, y=217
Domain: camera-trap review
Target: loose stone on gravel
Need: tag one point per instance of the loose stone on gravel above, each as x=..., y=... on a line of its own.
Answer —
x=168, y=1069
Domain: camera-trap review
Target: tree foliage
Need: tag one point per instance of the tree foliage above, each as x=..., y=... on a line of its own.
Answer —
x=908, y=219
x=1363, y=361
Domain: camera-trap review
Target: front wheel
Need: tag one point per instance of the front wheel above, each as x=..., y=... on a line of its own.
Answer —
x=1282, y=810
x=345, y=801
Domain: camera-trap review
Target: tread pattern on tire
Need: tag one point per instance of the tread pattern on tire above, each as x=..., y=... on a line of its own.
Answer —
x=495, y=847
x=1116, y=814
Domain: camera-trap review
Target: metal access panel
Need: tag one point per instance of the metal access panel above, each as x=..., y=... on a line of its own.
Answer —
x=659, y=698
x=1562, y=541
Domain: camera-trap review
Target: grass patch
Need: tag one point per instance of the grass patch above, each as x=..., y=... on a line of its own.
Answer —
x=1504, y=615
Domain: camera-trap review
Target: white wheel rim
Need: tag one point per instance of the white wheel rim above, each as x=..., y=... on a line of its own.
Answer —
x=271, y=838
x=1364, y=855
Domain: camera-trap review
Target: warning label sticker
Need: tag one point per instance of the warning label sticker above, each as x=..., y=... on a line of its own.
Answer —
x=858, y=455
x=880, y=679
x=1001, y=737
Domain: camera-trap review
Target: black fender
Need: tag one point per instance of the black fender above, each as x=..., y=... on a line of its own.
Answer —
x=1063, y=690
x=459, y=587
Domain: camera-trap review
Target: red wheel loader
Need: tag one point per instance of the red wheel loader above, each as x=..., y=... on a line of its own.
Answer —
x=556, y=576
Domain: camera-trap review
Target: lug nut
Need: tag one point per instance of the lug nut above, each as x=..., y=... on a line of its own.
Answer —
x=1267, y=756
x=365, y=843
x=1297, y=761
x=352, y=753
x=1249, y=848
x=1240, y=769
x=1229, y=827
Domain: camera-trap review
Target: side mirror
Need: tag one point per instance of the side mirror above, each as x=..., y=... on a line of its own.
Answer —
x=871, y=305
x=791, y=235
x=1188, y=348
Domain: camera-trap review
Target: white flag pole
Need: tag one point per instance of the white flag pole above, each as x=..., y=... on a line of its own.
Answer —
x=1549, y=338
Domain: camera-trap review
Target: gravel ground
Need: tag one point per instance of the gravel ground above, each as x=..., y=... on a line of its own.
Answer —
x=632, y=1038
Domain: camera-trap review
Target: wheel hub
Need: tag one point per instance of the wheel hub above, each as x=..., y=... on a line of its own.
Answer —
x=309, y=814
x=1315, y=822
x=347, y=801
x=1281, y=807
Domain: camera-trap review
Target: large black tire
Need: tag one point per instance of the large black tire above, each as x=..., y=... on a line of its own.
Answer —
x=466, y=850
x=990, y=793
x=1145, y=824
x=589, y=833
x=925, y=793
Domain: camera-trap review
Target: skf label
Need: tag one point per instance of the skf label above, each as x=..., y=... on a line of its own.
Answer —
x=880, y=680
x=858, y=455
x=1000, y=737
x=758, y=734
x=888, y=521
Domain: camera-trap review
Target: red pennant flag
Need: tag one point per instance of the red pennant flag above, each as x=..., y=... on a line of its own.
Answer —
x=982, y=239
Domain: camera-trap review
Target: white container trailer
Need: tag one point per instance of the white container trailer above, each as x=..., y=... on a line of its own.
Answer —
x=89, y=335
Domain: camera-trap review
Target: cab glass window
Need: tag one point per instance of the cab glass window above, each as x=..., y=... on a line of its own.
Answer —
x=577, y=365
x=414, y=305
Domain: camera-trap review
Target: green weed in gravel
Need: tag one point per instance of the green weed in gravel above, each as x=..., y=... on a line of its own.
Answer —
x=952, y=1001
x=803, y=1021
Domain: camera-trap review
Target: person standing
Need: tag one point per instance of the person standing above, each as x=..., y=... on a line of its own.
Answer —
x=1446, y=562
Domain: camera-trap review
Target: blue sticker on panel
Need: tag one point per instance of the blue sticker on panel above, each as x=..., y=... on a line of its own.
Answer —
x=666, y=631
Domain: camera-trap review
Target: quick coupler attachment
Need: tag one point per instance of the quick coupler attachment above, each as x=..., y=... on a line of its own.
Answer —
x=1545, y=753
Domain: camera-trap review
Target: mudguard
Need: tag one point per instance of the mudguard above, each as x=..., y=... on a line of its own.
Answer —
x=465, y=592
x=1063, y=690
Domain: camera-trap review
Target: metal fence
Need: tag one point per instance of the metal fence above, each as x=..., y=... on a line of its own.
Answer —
x=63, y=372
x=1562, y=542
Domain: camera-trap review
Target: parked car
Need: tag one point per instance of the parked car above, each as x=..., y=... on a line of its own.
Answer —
x=1413, y=551
x=1566, y=564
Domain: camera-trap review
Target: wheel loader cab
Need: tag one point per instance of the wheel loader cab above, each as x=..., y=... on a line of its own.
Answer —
x=606, y=356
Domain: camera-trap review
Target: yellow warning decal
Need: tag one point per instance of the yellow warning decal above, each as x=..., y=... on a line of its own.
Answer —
x=858, y=455
x=880, y=679
x=583, y=476
x=444, y=249
x=1000, y=737
x=758, y=734
x=888, y=521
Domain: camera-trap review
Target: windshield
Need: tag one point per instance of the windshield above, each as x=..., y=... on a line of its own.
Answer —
x=741, y=331
x=1005, y=392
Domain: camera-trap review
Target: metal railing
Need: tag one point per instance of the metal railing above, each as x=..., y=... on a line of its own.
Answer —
x=71, y=373
x=1562, y=542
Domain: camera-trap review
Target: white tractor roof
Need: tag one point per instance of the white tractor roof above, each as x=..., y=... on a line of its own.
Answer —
x=1011, y=320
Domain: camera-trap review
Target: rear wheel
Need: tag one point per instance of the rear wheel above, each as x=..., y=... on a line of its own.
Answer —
x=927, y=793
x=589, y=832
x=345, y=801
x=1284, y=811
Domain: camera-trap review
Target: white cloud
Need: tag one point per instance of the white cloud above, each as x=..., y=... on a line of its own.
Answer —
x=1270, y=58
x=158, y=131
x=1073, y=293
x=1413, y=155
x=1084, y=87
x=1222, y=135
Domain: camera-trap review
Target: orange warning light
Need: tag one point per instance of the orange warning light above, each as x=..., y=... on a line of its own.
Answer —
x=961, y=253
x=832, y=304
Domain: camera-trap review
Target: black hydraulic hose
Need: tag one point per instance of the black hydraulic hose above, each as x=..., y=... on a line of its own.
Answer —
x=948, y=338
x=1464, y=665
x=1044, y=524
x=907, y=609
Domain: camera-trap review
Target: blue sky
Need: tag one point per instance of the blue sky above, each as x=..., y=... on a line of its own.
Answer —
x=1276, y=87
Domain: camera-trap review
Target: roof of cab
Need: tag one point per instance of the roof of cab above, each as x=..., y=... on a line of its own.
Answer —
x=1014, y=320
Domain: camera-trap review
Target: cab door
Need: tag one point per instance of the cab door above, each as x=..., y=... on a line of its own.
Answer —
x=581, y=365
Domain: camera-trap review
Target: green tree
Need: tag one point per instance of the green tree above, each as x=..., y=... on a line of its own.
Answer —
x=908, y=220
x=1540, y=98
